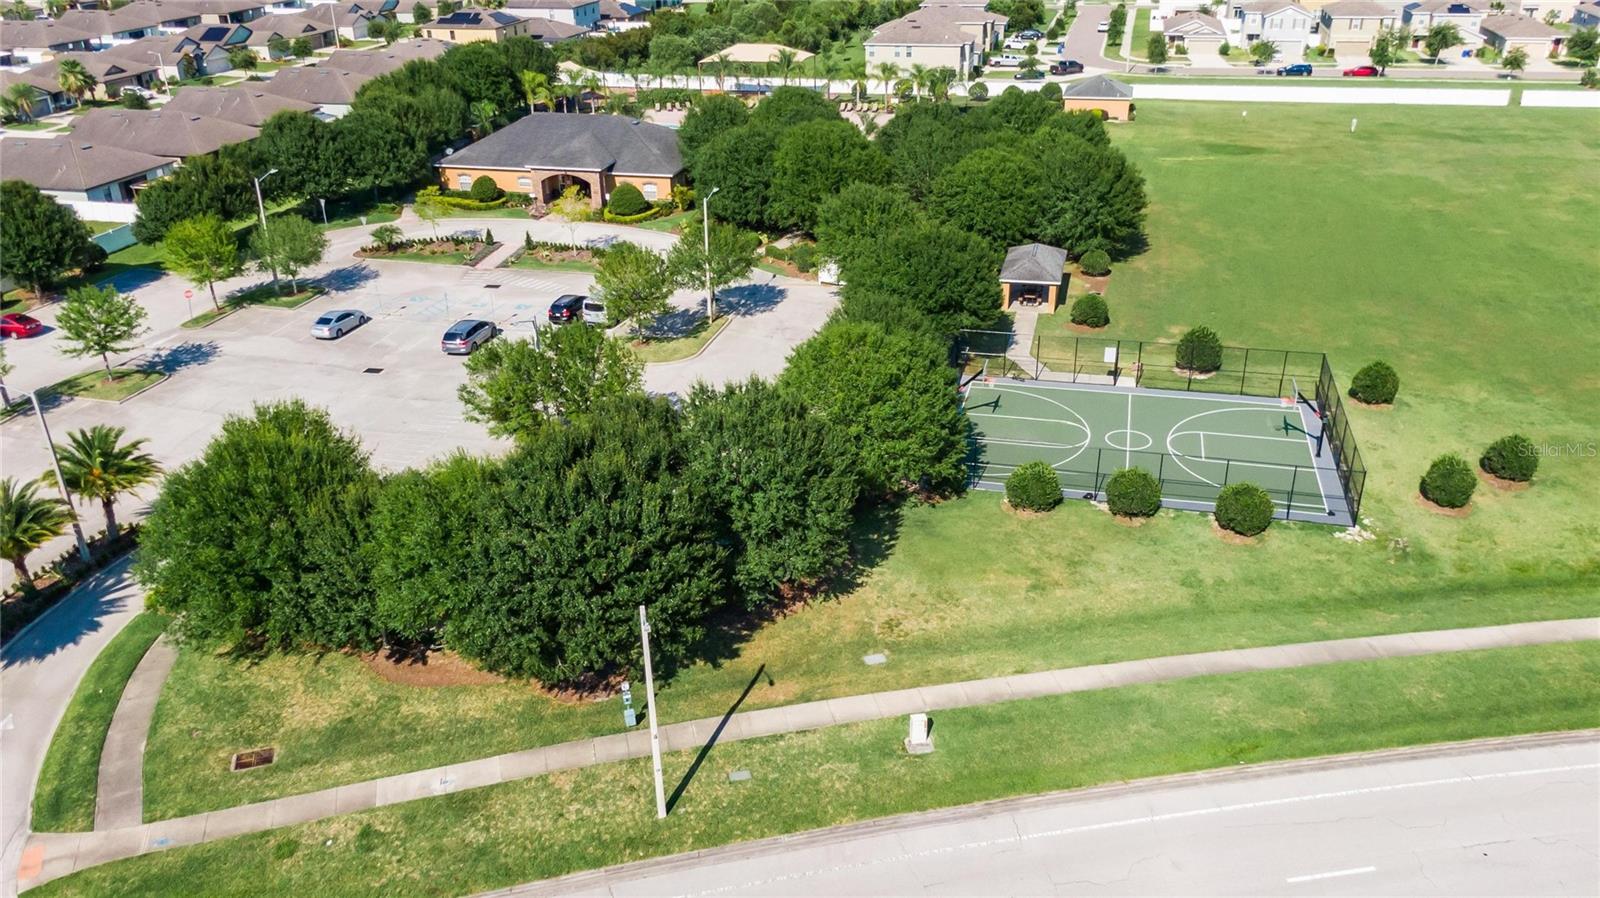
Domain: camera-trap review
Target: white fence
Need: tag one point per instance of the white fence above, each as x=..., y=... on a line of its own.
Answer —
x=1378, y=96
x=1562, y=99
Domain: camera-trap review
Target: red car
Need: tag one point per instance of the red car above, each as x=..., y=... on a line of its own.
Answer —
x=1362, y=71
x=19, y=325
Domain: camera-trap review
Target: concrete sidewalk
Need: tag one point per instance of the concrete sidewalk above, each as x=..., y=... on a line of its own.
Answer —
x=119, y=798
x=53, y=855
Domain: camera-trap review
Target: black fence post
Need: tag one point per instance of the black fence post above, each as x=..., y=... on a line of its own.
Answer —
x=1289, y=508
x=1244, y=373
x=1097, y=454
x=1283, y=374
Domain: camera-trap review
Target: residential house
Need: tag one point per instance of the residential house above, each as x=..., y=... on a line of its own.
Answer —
x=616, y=15
x=475, y=24
x=1197, y=33
x=332, y=90
x=113, y=73
x=227, y=12
x=1540, y=9
x=25, y=42
x=930, y=37
x=1111, y=98
x=48, y=95
x=583, y=13
x=988, y=28
x=1466, y=15
x=351, y=17
x=543, y=153
x=1586, y=15
x=139, y=19
x=245, y=105
x=1350, y=26
x=1504, y=33
x=1286, y=24
x=71, y=168
x=265, y=32
x=383, y=60
x=166, y=53
x=173, y=135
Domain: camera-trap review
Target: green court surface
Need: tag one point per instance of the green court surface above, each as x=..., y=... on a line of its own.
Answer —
x=1193, y=443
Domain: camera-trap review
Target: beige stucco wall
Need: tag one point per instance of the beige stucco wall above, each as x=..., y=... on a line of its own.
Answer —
x=469, y=35
x=932, y=57
x=600, y=185
x=1114, y=110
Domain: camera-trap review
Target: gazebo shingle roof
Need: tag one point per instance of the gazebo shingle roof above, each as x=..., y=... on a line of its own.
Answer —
x=1033, y=263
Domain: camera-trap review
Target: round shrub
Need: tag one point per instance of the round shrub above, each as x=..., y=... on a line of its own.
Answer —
x=485, y=190
x=1449, y=482
x=1051, y=91
x=1200, y=350
x=978, y=91
x=1033, y=487
x=1244, y=508
x=627, y=200
x=1095, y=262
x=1090, y=311
x=1133, y=493
x=1511, y=458
x=1375, y=384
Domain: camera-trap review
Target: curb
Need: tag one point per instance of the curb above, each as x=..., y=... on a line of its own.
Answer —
x=702, y=350
x=595, y=881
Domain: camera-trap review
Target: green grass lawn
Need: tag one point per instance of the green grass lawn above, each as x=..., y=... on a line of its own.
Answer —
x=678, y=348
x=1367, y=257
x=100, y=227
x=479, y=839
x=454, y=257
x=65, y=798
x=669, y=223
x=535, y=264
x=1141, y=35
x=264, y=295
x=123, y=383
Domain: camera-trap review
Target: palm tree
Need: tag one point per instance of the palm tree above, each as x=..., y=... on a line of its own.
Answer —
x=939, y=81
x=97, y=464
x=887, y=72
x=573, y=88
x=784, y=61
x=856, y=71
x=919, y=78
x=536, y=89
x=75, y=79
x=483, y=114
x=17, y=102
x=829, y=68
x=26, y=523
x=720, y=66
x=593, y=86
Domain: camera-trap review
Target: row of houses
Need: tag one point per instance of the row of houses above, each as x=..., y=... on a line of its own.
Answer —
x=956, y=34
x=1349, y=27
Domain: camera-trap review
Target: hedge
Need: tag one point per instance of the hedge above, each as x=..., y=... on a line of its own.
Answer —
x=626, y=200
x=1244, y=508
x=1376, y=384
x=647, y=214
x=1090, y=311
x=1449, y=482
x=485, y=190
x=457, y=202
x=1511, y=458
x=1200, y=350
x=1133, y=493
x=1033, y=487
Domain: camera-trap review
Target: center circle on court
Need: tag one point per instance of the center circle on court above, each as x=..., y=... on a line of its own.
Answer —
x=1128, y=440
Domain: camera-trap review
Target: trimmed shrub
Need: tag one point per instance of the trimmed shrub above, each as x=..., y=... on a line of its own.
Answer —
x=1051, y=91
x=1033, y=487
x=1511, y=458
x=1376, y=384
x=1200, y=350
x=1244, y=508
x=978, y=91
x=1090, y=311
x=627, y=200
x=485, y=190
x=804, y=256
x=1133, y=493
x=1449, y=481
x=1095, y=262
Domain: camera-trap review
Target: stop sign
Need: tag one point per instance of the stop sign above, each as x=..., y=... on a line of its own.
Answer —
x=188, y=294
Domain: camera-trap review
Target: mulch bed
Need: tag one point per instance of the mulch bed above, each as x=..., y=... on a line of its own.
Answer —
x=1424, y=502
x=1508, y=486
x=1236, y=539
x=559, y=255
x=427, y=668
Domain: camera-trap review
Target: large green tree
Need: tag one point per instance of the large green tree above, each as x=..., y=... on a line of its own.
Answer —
x=995, y=192
x=732, y=253
x=924, y=139
x=812, y=161
x=593, y=520
x=1584, y=45
x=849, y=221
x=261, y=539
x=893, y=392
x=204, y=251
x=634, y=285
x=786, y=107
x=710, y=115
x=98, y=464
x=28, y=521
x=517, y=387
x=100, y=321
x=41, y=238
x=1095, y=197
x=783, y=479
x=204, y=185
x=289, y=245
x=737, y=164
x=933, y=271
x=306, y=152
x=480, y=71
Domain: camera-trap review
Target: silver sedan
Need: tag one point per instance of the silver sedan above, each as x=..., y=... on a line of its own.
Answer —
x=335, y=323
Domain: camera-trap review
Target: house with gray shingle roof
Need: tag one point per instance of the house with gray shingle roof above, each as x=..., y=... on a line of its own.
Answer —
x=1506, y=32
x=173, y=135
x=332, y=89
x=73, y=168
x=544, y=153
x=246, y=104
x=1111, y=98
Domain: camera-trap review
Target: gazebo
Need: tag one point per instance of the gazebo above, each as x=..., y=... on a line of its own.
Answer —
x=1033, y=274
x=754, y=54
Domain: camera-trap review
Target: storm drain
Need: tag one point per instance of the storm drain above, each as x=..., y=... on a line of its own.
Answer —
x=257, y=757
x=372, y=371
x=491, y=286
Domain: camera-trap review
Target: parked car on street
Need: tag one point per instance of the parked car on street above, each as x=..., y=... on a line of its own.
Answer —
x=1031, y=34
x=567, y=308
x=1018, y=43
x=1299, y=68
x=594, y=311
x=1033, y=75
x=1362, y=71
x=1104, y=26
x=335, y=323
x=17, y=324
x=466, y=335
x=1070, y=67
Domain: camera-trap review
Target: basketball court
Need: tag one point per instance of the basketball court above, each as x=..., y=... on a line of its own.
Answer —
x=1193, y=443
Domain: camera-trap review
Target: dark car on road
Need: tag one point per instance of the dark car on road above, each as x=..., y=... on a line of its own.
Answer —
x=17, y=324
x=467, y=335
x=1299, y=68
x=1070, y=67
x=566, y=308
x=1362, y=71
x=1034, y=75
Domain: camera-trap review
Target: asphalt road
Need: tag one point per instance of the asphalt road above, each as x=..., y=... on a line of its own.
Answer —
x=41, y=669
x=1490, y=821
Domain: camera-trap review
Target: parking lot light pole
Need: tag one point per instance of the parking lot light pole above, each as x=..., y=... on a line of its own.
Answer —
x=61, y=482
x=705, y=222
x=261, y=208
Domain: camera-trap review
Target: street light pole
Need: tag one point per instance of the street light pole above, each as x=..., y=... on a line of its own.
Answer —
x=323, y=202
x=261, y=208
x=650, y=708
x=61, y=482
x=705, y=221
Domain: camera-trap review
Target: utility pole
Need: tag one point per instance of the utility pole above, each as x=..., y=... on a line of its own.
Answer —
x=61, y=482
x=705, y=221
x=261, y=208
x=650, y=708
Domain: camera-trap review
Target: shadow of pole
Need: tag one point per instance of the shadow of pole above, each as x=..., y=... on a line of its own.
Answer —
x=716, y=734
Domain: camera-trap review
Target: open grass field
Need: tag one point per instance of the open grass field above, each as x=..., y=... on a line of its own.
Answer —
x=576, y=820
x=1451, y=242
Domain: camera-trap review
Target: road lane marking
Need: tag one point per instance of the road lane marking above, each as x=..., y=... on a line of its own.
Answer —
x=1353, y=871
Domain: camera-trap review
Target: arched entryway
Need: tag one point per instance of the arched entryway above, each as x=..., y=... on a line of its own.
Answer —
x=551, y=188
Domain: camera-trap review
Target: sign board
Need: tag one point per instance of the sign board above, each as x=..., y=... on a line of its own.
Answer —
x=1110, y=356
x=630, y=717
x=188, y=294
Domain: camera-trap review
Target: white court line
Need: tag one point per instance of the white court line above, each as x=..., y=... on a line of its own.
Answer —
x=1242, y=436
x=972, y=414
x=1146, y=819
x=1331, y=874
x=1127, y=459
x=1203, y=446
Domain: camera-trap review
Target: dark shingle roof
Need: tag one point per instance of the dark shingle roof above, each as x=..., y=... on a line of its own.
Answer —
x=559, y=140
x=176, y=135
x=248, y=105
x=1034, y=263
x=1098, y=88
x=68, y=163
x=473, y=17
x=314, y=84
